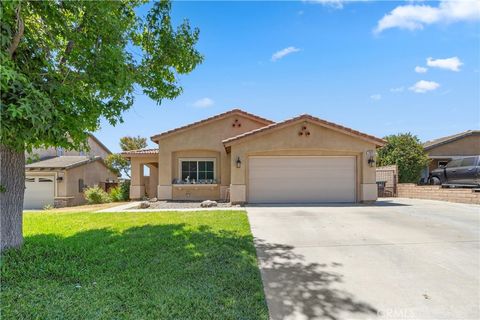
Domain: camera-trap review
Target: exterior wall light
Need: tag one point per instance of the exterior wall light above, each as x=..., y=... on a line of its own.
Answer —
x=60, y=176
x=371, y=158
x=238, y=162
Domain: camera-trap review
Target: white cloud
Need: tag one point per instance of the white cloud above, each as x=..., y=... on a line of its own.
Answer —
x=337, y=4
x=397, y=90
x=423, y=86
x=419, y=69
x=376, y=97
x=203, y=103
x=416, y=16
x=452, y=63
x=284, y=52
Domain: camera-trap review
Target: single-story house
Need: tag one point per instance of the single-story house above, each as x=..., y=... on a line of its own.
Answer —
x=60, y=176
x=444, y=149
x=242, y=157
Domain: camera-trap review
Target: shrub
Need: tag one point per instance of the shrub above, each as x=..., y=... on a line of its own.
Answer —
x=125, y=187
x=48, y=207
x=406, y=151
x=121, y=192
x=95, y=195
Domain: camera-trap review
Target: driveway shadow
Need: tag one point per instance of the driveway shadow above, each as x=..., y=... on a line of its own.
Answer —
x=295, y=289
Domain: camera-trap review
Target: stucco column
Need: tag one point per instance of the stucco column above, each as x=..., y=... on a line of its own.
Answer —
x=369, y=187
x=137, y=183
x=164, y=190
x=153, y=181
x=238, y=188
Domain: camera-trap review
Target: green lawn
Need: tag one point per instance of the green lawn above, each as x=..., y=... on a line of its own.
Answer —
x=175, y=265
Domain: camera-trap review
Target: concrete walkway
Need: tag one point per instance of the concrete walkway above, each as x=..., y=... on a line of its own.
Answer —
x=132, y=207
x=400, y=259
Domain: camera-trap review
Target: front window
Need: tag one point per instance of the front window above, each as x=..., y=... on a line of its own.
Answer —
x=199, y=170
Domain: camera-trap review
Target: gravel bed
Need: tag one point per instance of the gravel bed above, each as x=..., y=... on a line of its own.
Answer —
x=186, y=205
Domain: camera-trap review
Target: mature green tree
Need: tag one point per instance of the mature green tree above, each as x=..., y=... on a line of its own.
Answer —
x=406, y=151
x=65, y=65
x=132, y=143
x=118, y=163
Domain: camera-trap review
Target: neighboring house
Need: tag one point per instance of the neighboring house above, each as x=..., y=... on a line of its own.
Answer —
x=97, y=149
x=59, y=180
x=245, y=158
x=442, y=150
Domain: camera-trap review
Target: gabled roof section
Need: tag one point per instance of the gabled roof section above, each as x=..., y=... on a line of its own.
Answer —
x=100, y=143
x=444, y=140
x=140, y=152
x=304, y=117
x=63, y=162
x=211, y=119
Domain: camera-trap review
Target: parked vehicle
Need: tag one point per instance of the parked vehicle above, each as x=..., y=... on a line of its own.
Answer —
x=463, y=171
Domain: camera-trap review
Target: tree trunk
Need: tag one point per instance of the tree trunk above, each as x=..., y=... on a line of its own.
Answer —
x=12, y=189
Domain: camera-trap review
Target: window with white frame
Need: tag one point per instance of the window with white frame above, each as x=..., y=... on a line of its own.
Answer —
x=202, y=170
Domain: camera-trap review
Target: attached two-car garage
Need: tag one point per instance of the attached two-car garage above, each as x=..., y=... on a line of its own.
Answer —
x=303, y=160
x=301, y=179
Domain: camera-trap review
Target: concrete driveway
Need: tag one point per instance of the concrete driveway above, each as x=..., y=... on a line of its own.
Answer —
x=398, y=259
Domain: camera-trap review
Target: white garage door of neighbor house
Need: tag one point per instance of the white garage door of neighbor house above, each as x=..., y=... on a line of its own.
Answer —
x=305, y=179
x=39, y=191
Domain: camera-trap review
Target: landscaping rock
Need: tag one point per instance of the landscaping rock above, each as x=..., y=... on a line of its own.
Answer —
x=144, y=205
x=208, y=204
x=153, y=200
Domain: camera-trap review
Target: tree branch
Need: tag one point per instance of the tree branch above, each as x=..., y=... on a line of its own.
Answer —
x=18, y=35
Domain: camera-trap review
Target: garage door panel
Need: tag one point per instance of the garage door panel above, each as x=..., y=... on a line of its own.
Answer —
x=39, y=191
x=301, y=179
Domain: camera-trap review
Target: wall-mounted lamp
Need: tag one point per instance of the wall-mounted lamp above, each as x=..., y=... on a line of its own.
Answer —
x=60, y=176
x=238, y=162
x=370, y=157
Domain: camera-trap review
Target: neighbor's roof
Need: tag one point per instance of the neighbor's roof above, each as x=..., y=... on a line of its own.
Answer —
x=331, y=125
x=437, y=142
x=208, y=120
x=140, y=152
x=100, y=143
x=63, y=162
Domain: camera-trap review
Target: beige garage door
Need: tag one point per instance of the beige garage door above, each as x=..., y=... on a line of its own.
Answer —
x=39, y=191
x=301, y=179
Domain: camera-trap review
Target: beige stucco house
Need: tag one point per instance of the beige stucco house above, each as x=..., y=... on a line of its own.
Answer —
x=60, y=176
x=240, y=157
x=444, y=149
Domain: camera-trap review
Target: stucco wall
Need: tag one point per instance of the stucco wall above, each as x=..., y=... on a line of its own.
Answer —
x=202, y=141
x=467, y=146
x=92, y=174
x=286, y=141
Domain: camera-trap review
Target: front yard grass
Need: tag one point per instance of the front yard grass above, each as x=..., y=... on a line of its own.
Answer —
x=168, y=265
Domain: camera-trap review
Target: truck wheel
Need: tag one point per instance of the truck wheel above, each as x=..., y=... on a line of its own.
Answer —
x=434, y=181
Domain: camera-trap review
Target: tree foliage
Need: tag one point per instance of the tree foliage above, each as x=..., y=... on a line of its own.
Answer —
x=133, y=143
x=66, y=64
x=118, y=164
x=406, y=151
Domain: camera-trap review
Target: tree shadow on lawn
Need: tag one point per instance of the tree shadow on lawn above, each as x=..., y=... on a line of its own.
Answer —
x=172, y=271
x=296, y=289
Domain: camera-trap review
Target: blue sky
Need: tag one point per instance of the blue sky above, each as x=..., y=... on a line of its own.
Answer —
x=336, y=64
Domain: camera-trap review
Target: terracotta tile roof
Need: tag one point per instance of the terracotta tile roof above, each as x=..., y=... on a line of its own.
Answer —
x=218, y=116
x=436, y=142
x=140, y=152
x=377, y=141
x=63, y=162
